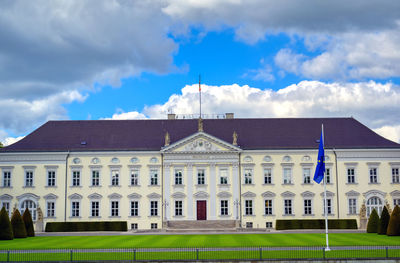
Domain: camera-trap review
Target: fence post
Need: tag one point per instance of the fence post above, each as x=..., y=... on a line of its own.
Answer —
x=8, y=255
x=260, y=253
x=197, y=254
x=323, y=252
x=71, y=255
x=134, y=255
x=387, y=252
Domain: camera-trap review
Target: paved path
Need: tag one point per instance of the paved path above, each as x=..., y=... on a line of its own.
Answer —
x=194, y=232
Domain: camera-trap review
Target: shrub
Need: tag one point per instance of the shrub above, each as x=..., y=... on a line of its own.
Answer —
x=394, y=223
x=86, y=226
x=383, y=221
x=6, y=232
x=18, y=225
x=373, y=222
x=316, y=224
x=28, y=223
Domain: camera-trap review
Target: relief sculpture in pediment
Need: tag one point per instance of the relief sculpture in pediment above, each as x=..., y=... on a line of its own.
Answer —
x=200, y=145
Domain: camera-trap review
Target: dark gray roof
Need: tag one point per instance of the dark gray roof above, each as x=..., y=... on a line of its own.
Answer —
x=289, y=133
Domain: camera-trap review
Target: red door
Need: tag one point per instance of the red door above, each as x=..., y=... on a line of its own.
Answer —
x=201, y=210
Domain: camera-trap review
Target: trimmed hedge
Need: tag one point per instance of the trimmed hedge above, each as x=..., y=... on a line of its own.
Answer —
x=316, y=224
x=26, y=216
x=6, y=232
x=18, y=225
x=373, y=222
x=83, y=226
x=394, y=222
x=383, y=221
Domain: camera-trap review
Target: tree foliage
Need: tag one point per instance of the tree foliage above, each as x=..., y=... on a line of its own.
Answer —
x=6, y=232
x=28, y=223
x=394, y=222
x=383, y=221
x=18, y=225
x=373, y=222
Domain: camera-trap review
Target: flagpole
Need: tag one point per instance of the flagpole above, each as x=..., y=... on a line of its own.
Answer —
x=200, y=94
x=325, y=204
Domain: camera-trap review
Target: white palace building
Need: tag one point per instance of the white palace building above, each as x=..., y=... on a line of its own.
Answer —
x=183, y=173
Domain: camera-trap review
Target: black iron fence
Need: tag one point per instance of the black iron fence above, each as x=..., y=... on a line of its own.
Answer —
x=202, y=253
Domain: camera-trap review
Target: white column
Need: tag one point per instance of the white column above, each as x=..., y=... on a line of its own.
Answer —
x=235, y=187
x=167, y=191
x=213, y=192
x=189, y=183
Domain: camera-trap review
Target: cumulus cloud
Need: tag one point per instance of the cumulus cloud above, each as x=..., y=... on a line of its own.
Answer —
x=348, y=56
x=372, y=103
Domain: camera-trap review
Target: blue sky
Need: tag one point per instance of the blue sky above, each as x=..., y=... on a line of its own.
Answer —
x=71, y=59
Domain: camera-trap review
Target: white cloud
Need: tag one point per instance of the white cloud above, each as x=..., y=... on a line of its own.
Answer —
x=372, y=103
x=120, y=115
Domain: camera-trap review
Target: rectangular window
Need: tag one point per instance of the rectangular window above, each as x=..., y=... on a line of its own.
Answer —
x=306, y=175
x=114, y=208
x=395, y=176
x=267, y=176
x=249, y=224
x=373, y=176
x=248, y=207
x=6, y=205
x=327, y=175
x=95, y=208
x=134, y=208
x=95, y=178
x=268, y=224
x=288, y=207
x=396, y=202
x=224, y=207
x=223, y=176
x=178, y=208
x=248, y=176
x=76, y=178
x=51, y=178
x=153, y=177
x=134, y=226
x=7, y=179
x=134, y=177
x=287, y=175
x=352, y=206
x=153, y=208
x=154, y=226
x=114, y=178
x=351, y=178
x=75, y=209
x=28, y=178
x=201, y=177
x=50, y=208
x=268, y=207
x=328, y=204
x=307, y=206
x=178, y=177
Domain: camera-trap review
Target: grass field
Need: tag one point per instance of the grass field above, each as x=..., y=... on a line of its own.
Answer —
x=184, y=241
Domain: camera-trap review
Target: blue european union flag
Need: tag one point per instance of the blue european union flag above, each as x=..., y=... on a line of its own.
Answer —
x=320, y=170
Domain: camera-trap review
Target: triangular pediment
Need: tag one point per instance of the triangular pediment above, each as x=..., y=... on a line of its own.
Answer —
x=200, y=142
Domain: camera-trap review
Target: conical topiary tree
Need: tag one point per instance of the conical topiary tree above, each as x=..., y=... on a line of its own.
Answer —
x=373, y=222
x=383, y=221
x=6, y=232
x=18, y=225
x=29, y=223
x=394, y=223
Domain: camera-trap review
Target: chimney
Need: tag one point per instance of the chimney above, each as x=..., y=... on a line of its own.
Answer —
x=229, y=115
x=171, y=116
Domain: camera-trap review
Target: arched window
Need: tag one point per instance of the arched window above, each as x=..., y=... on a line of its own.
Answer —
x=31, y=205
x=374, y=203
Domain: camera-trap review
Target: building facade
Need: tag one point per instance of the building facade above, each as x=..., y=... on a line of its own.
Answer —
x=151, y=173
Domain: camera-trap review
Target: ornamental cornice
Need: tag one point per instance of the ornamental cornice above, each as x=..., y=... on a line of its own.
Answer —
x=395, y=193
x=134, y=196
x=32, y=157
x=268, y=194
x=115, y=196
x=374, y=193
x=95, y=196
x=328, y=194
x=28, y=195
x=352, y=193
x=6, y=197
x=50, y=196
x=307, y=194
x=288, y=194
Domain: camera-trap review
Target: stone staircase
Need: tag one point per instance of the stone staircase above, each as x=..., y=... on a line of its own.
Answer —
x=201, y=225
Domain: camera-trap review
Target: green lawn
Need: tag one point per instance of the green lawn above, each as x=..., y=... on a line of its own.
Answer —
x=222, y=240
